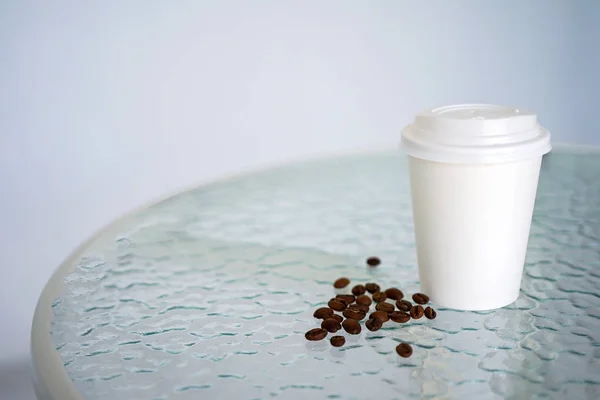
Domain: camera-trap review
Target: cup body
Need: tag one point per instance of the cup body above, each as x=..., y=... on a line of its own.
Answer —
x=472, y=226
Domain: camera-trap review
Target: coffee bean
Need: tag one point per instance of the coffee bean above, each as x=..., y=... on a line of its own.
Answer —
x=394, y=293
x=382, y=315
x=337, y=305
x=387, y=307
x=337, y=341
x=361, y=307
x=353, y=313
x=372, y=287
x=363, y=300
x=346, y=298
x=337, y=317
x=417, y=312
x=420, y=298
x=404, y=350
x=323, y=313
x=374, y=324
x=341, y=283
x=358, y=290
x=331, y=325
x=316, y=334
x=379, y=297
x=373, y=261
x=430, y=313
x=351, y=326
x=404, y=305
x=399, y=316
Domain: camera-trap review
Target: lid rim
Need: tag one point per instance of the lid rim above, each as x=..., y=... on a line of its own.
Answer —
x=475, y=134
x=475, y=159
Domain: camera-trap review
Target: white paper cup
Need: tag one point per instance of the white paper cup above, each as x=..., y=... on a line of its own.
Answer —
x=474, y=172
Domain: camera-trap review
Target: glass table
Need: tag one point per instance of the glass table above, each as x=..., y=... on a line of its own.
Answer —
x=208, y=294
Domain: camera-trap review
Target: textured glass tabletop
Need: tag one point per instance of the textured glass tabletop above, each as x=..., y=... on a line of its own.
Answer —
x=209, y=294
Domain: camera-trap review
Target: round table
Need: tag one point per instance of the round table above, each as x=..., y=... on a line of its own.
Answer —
x=208, y=294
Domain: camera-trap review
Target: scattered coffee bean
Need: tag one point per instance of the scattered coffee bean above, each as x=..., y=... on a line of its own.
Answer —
x=399, y=316
x=373, y=261
x=363, y=300
x=379, y=297
x=323, y=313
x=420, y=298
x=372, y=287
x=353, y=313
x=374, y=324
x=354, y=307
x=316, y=334
x=387, y=307
x=394, y=293
x=331, y=325
x=361, y=307
x=417, y=312
x=430, y=313
x=337, y=305
x=337, y=317
x=358, y=290
x=346, y=298
x=351, y=326
x=404, y=305
x=337, y=341
x=382, y=315
x=404, y=350
x=341, y=283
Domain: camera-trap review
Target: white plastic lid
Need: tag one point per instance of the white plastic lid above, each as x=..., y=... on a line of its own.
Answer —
x=475, y=134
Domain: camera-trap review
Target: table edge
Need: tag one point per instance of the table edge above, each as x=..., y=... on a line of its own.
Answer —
x=51, y=381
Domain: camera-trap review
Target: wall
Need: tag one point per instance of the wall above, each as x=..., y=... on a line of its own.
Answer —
x=586, y=91
x=106, y=105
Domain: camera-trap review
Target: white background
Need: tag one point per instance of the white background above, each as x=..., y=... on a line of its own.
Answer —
x=105, y=105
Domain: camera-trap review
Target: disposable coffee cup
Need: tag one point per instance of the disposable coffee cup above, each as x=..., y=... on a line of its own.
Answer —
x=474, y=172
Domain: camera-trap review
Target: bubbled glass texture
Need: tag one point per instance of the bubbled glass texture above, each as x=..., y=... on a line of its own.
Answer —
x=209, y=294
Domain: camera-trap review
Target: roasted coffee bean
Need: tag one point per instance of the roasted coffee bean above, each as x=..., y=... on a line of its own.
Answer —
x=351, y=326
x=360, y=307
x=373, y=261
x=430, y=313
x=337, y=341
x=404, y=305
x=372, y=287
x=387, y=307
x=379, y=297
x=337, y=305
x=420, y=298
x=337, y=317
x=323, y=313
x=331, y=325
x=346, y=298
x=399, y=316
x=316, y=334
x=404, y=350
x=353, y=313
x=382, y=315
x=341, y=283
x=394, y=293
x=417, y=312
x=374, y=324
x=363, y=300
x=358, y=290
